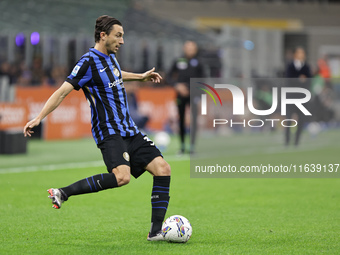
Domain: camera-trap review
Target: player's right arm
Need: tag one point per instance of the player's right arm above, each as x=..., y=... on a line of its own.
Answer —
x=52, y=103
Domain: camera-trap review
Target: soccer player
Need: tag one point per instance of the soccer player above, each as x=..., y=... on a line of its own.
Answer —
x=183, y=68
x=126, y=151
x=298, y=68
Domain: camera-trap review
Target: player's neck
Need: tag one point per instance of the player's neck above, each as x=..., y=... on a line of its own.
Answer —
x=101, y=48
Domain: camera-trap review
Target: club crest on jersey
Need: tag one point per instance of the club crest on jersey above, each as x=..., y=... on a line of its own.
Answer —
x=116, y=71
x=75, y=70
x=126, y=156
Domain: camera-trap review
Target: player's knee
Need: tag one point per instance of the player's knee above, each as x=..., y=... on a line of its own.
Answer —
x=164, y=169
x=122, y=174
x=122, y=179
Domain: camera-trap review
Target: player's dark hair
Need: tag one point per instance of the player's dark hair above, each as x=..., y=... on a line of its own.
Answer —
x=104, y=24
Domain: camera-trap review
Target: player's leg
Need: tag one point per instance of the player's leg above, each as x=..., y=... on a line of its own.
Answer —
x=301, y=123
x=288, y=123
x=118, y=177
x=193, y=125
x=161, y=172
x=116, y=158
x=145, y=156
x=181, y=113
x=287, y=133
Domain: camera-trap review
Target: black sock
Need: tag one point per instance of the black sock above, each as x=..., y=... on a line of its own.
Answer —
x=182, y=147
x=91, y=184
x=159, y=202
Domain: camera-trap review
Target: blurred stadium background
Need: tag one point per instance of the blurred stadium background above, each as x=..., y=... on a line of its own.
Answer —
x=40, y=41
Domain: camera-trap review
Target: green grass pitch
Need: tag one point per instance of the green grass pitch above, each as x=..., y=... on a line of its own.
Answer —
x=229, y=216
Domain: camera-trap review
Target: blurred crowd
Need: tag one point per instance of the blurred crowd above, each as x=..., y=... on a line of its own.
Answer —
x=21, y=75
x=35, y=75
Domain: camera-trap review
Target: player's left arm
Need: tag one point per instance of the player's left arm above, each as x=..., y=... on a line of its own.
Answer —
x=147, y=76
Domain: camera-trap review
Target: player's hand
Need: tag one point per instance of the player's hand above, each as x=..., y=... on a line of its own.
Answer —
x=182, y=89
x=152, y=76
x=31, y=124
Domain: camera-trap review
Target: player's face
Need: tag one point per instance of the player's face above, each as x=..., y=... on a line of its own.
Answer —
x=115, y=39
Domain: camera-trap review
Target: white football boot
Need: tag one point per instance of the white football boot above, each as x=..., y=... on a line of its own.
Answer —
x=55, y=195
x=157, y=237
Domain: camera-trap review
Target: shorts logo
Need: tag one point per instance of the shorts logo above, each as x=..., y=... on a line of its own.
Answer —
x=116, y=71
x=126, y=156
x=75, y=70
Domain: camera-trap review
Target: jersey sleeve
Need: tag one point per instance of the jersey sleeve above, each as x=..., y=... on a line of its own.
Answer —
x=80, y=74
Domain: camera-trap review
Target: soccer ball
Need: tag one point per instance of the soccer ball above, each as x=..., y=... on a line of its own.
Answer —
x=314, y=128
x=162, y=140
x=176, y=229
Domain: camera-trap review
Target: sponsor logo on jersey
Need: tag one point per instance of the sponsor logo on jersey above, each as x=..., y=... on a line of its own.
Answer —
x=115, y=83
x=182, y=64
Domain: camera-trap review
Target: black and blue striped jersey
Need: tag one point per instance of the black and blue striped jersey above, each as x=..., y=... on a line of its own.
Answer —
x=100, y=78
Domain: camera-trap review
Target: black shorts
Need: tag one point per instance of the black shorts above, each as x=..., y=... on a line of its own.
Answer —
x=135, y=151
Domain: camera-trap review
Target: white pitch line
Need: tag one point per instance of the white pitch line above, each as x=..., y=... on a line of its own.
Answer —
x=53, y=167
x=249, y=151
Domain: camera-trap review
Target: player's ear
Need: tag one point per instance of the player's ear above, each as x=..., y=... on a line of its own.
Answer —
x=103, y=35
